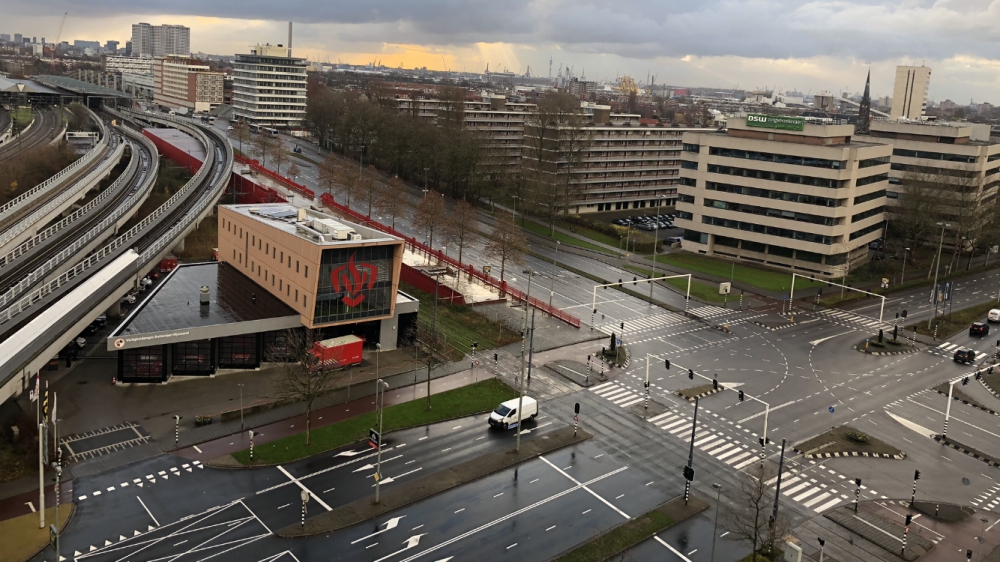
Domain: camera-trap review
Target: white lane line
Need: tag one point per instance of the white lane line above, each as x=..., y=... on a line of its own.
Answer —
x=328, y=491
x=460, y=510
x=197, y=449
x=737, y=458
x=672, y=549
x=284, y=506
x=318, y=499
x=586, y=512
x=499, y=520
x=550, y=528
x=147, y=511
x=591, y=492
x=807, y=493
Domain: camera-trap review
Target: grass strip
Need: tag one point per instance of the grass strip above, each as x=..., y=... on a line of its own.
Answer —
x=543, y=230
x=756, y=277
x=461, y=324
x=699, y=290
x=460, y=402
x=690, y=393
x=590, y=233
x=836, y=441
x=953, y=323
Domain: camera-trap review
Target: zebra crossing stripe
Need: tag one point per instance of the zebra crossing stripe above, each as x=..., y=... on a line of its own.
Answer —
x=737, y=458
x=817, y=499
x=791, y=481
x=733, y=452
x=720, y=449
x=745, y=463
x=661, y=416
x=605, y=392
x=790, y=491
x=705, y=440
x=827, y=505
x=601, y=386
x=618, y=401
x=673, y=424
x=807, y=493
x=713, y=444
x=616, y=394
x=679, y=430
x=636, y=401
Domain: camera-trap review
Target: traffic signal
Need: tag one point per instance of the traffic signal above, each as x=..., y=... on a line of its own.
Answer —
x=916, y=475
x=495, y=359
x=741, y=396
x=978, y=375
x=968, y=554
x=577, y=408
x=668, y=364
x=761, y=440
x=715, y=384
x=821, y=541
x=645, y=384
x=688, y=473
x=908, y=519
x=857, y=482
x=622, y=325
x=990, y=371
x=690, y=374
x=634, y=279
x=619, y=281
x=965, y=381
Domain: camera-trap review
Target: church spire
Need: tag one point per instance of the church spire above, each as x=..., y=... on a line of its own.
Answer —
x=865, y=108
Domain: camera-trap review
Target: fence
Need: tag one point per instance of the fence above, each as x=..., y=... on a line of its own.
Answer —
x=427, y=284
x=327, y=200
x=296, y=187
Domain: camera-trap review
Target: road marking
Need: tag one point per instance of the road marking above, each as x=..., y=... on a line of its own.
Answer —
x=284, y=506
x=672, y=549
x=498, y=495
x=32, y=506
x=460, y=510
x=303, y=486
x=533, y=481
x=389, y=525
x=511, y=546
x=588, y=490
x=197, y=449
x=585, y=512
x=550, y=528
x=147, y=511
x=328, y=491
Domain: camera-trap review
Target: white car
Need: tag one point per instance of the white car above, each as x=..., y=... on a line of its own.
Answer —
x=80, y=342
x=993, y=315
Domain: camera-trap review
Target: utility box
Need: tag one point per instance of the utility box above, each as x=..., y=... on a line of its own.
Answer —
x=339, y=352
x=793, y=553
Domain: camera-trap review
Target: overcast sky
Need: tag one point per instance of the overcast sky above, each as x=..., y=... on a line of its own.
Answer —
x=809, y=46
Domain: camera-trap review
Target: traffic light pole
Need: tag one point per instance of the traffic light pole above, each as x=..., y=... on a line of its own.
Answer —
x=947, y=410
x=777, y=487
x=593, y=300
x=645, y=407
x=913, y=495
x=791, y=294
x=689, y=472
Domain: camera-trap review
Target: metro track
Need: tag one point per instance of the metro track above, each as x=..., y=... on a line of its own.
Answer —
x=43, y=129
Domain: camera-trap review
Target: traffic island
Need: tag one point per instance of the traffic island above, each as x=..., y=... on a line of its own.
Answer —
x=654, y=409
x=700, y=391
x=773, y=322
x=944, y=512
x=23, y=540
x=957, y=394
x=870, y=522
x=972, y=452
x=405, y=494
x=845, y=441
x=576, y=373
x=871, y=346
x=632, y=532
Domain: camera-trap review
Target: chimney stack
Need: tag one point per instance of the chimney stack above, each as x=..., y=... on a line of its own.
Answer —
x=289, y=39
x=203, y=295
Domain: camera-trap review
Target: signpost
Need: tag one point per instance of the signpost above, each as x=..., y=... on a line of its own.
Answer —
x=374, y=439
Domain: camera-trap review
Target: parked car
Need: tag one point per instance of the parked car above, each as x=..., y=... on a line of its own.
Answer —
x=876, y=244
x=993, y=315
x=965, y=356
x=80, y=342
x=128, y=299
x=674, y=239
x=506, y=416
x=979, y=329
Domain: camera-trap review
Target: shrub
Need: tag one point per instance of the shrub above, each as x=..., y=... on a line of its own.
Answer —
x=858, y=436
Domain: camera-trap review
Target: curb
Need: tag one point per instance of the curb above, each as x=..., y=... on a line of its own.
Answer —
x=948, y=443
x=899, y=457
x=968, y=403
x=703, y=394
x=995, y=394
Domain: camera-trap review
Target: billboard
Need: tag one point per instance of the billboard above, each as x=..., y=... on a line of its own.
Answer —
x=776, y=122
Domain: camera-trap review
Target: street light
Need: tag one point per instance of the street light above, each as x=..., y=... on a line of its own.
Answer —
x=524, y=329
x=513, y=209
x=241, y=404
x=656, y=247
x=982, y=536
x=902, y=278
x=937, y=268
x=715, y=529
x=552, y=286
x=378, y=463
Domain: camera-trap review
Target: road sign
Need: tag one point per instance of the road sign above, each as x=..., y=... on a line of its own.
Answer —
x=724, y=288
x=831, y=409
x=119, y=343
x=487, y=268
x=374, y=439
x=619, y=341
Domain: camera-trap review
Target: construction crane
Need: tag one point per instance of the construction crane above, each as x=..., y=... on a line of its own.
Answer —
x=55, y=46
x=626, y=85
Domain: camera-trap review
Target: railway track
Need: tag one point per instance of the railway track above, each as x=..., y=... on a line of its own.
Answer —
x=45, y=126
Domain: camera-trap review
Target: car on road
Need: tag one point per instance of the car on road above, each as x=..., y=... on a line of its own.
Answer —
x=506, y=416
x=964, y=356
x=979, y=329
x=297, y=149
x=80, y=342
x=993, y=315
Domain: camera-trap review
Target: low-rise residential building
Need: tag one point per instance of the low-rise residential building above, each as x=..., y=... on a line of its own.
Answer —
x=183, y=82
x=783, y=192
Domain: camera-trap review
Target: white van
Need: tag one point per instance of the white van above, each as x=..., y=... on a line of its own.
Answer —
x=994, y=315
x=506, y=415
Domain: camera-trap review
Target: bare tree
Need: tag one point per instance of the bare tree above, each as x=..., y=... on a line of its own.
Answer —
x=506, y=243
x=431, y=213
x=263, y=146
x=279, y=154
x=748, y=518
x=392, y=199
x=347, y=179
x=918, y=208
x=327, y=172
x=241, y=133
x=431, y=352
x=304, y=377
x=460, y=227
x=294, y=171
x=369, y=187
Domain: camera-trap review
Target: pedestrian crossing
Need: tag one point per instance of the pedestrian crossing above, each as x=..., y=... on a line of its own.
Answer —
x=849, y=319
x=642, y=324
x=947, y=349
x=809, y=492
x=709, y=311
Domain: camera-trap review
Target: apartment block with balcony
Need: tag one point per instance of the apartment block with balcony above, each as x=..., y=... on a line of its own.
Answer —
x=957, y=161
x=783, y=192
x=183, y=82
x=269, y=87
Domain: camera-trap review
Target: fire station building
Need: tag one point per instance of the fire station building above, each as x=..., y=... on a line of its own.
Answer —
x=279, y=268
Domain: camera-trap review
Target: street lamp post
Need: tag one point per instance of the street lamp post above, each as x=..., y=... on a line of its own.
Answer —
x=241, y=404
x=520, y=398
x=552, y=285
x=177, y=429
x=982, y=537
x=715, y=528
x=380, y=384
x=937, y=268
x=513, y=209
x=656, y=247
x=902, y=277
x=58, y=469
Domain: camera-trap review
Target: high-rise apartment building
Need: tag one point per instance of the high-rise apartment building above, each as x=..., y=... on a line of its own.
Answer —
x=160, y=40
x=183, y=82
x=111, y=46
x=909, y=93
x=783, y=192
x=269, y=87
x=18, y=38
x=5, y=37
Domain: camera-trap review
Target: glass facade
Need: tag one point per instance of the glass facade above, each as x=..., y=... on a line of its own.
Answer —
x=193, y=358
x=354, y=283
x=143, y=364
x=239, y=352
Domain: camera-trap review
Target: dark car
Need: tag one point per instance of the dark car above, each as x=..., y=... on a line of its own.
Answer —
x=876, y=244
x=965, y=356
x=979, y=329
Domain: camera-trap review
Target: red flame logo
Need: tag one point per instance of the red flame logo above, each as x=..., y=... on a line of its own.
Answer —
x=349, y=279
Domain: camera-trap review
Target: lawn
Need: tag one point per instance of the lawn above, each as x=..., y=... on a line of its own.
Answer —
x=460, y=402
x=22, y=118
x=461, y=324
x=951, y=324
x=756, y=277
x=618, y=539
x=592, y=234
x=837, y=441
x=543, y=230
x=699, y=290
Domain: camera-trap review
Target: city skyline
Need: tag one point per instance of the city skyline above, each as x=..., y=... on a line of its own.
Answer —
x=790, y=46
